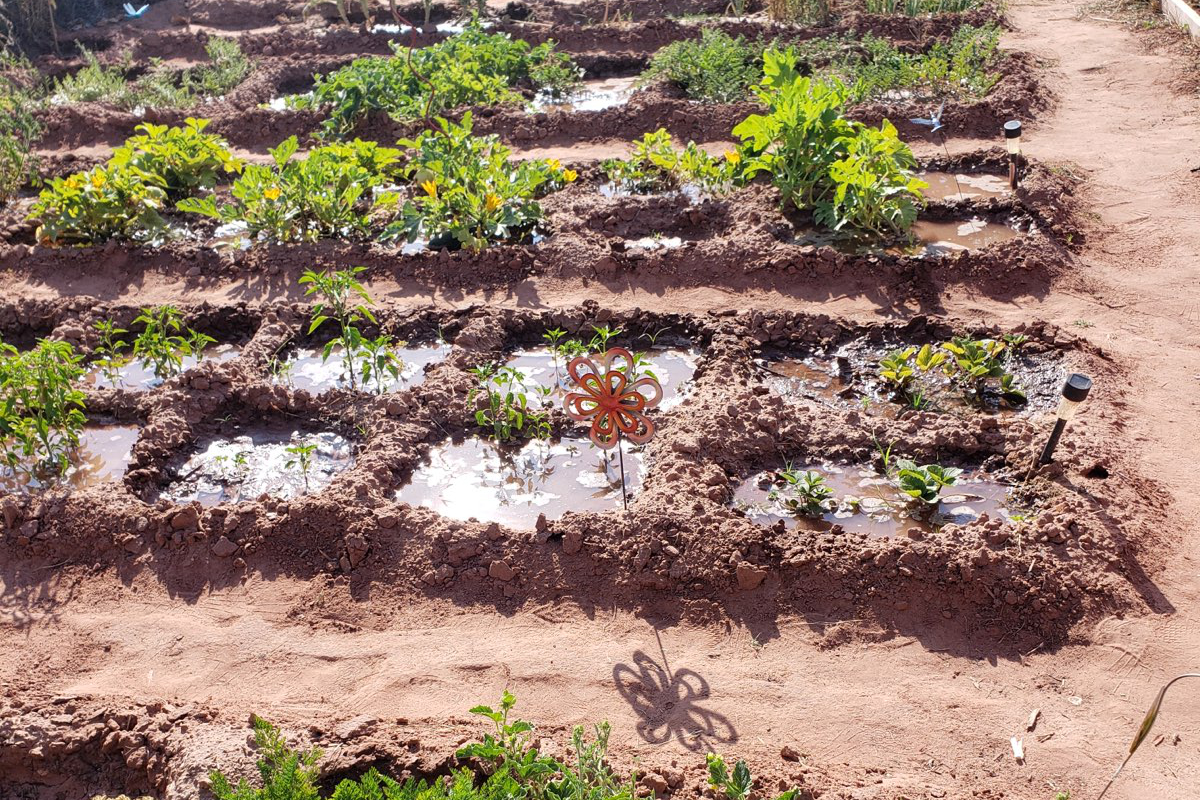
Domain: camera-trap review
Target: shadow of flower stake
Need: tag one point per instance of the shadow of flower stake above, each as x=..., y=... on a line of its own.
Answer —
x=615, y=405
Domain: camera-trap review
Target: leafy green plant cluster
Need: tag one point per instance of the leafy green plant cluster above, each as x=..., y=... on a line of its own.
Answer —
x=505, y=412
x=735, y=784
x=976, y=368
x=125, y=197
x=467, y=191
x=657, y=166
x=924, y=483
x=473, y=67
x=806, y=12
x=370, y=363
x=19, y=128
x=918, y=8
x=162, y=86
x=963, y=67
x=41, y=409
x=510, y=764
x=851, y=176
x=328, y=193
x=716, y=68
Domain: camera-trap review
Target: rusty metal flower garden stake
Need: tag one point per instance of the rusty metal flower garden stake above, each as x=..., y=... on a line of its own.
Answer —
x=614, y=404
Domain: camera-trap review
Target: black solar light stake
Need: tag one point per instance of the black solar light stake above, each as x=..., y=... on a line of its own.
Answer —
x=1012, y=139
x=1074, y=392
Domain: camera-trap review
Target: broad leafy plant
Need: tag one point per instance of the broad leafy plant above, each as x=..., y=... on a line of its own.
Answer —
x=330, y=193
x=852, y=177
x=924, y=483
x=735, y=784
x=41, y=409
x=125, y=198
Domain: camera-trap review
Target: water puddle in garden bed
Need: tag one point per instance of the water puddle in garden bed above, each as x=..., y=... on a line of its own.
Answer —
x=512, y=485
x=139, y=377
x=306, y=369
x=931, y=238
x=849, y=377
x=240, y=468
x=865, y=502
x=963, y=185
x=673, y=367
x=103, y=454
x=594, y=95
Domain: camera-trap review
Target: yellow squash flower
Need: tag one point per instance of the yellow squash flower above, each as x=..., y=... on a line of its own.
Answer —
x=492, y=202
x=272, y=193
x=570, y=175
x=430, y=189
x=99, y=179
x=555, y=164
x=733, y=156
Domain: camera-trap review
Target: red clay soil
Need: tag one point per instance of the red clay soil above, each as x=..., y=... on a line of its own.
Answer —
x=137, y=635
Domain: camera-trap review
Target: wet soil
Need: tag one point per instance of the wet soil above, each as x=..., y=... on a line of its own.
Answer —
x=140, y=632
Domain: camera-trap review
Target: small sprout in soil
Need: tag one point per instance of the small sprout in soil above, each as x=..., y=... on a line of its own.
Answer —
x=42, y=411
x=506, y=415
x=285, y=772
x=1083, y=323
x=802, y=492
x=736, y=784
x=109, y=357
x=924, y=483
x=165, y=341
x=301, y=457
x=282, y=369
x=600, y=341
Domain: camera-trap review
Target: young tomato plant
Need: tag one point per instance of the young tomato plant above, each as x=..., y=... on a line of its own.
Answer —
x=506, y=413
x=109, y=352
x=41, y=410
x=301, y=457
x=338, y=291
x=165, y=341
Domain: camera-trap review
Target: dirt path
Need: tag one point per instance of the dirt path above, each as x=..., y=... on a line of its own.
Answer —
x=889, y=719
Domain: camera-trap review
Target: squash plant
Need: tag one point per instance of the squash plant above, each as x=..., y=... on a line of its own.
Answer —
x=851, y=177
x=924, y=483
x=466, y=190
x=656, y=166
x=125, y=197
x=41, y=409
x=327, y=194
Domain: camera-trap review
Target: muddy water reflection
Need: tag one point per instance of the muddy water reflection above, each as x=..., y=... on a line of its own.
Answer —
x=244, y=467
x=866, y=502
x=512, y=486
x=102, y=457
x=138, y=377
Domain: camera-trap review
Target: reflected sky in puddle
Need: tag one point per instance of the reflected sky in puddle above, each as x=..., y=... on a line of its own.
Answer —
x=137, y=377
x=306, y=369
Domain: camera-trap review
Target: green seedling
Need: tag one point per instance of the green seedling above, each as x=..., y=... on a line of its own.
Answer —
x=344, y=301
x=735, y=784
x=285, y=773
x=801, y=492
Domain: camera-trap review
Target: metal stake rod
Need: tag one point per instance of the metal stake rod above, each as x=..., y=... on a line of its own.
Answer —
x=621, y=456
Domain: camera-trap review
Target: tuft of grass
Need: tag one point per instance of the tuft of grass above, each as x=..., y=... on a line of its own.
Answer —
x=917, y=8
x=19, y=128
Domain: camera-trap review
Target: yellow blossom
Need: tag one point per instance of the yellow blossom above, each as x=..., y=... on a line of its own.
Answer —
x=430, y=188
x=492, y=202
x=733, y=156
x=570, y=175
x=99, y=179
x=555, y=164
x=272, y=193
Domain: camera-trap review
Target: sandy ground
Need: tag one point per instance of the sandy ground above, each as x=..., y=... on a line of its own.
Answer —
x=890, y=719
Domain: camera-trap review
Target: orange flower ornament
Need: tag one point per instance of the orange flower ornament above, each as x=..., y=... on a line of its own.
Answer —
x=615, y=405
